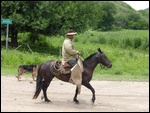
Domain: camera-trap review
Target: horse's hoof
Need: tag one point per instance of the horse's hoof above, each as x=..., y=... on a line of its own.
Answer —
x=48, y=100
x=93, y=103
x=93, y=100
x=76, y=101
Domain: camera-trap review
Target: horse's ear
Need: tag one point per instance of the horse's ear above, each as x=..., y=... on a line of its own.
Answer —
x=99, y=50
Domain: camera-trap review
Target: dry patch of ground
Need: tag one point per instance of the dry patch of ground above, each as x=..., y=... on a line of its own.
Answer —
x=111, y=96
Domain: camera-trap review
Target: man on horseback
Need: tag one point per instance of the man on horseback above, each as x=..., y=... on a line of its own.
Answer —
x=69, y=53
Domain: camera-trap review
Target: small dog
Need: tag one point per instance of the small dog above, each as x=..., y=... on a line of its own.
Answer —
x=27, y=68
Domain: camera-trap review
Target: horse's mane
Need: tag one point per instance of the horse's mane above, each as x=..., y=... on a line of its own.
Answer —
x=84, y=62
x=90, y=56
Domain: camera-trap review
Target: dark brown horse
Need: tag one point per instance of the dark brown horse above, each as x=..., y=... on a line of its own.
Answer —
x=44, y=76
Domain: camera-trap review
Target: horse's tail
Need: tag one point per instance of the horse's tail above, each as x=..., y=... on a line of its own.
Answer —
x=39, y=83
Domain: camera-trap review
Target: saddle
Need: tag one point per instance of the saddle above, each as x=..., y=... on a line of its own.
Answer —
x=58, y=68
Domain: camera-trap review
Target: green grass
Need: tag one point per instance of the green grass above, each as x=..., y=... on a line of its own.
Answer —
x=129, y=63
x=137, y=39
x=11, y=59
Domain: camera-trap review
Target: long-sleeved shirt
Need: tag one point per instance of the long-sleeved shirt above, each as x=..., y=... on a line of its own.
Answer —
x=68, y=50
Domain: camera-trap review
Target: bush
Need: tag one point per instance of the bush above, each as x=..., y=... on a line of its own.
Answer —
x=136, y=42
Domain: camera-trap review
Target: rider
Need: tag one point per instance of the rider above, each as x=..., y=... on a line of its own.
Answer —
x=69, y=53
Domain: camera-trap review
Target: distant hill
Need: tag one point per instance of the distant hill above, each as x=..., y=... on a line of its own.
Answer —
x=145, y=13
x=124, y=9
x=147, y=10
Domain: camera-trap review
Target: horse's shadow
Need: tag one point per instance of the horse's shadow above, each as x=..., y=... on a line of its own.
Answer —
x=83, y=105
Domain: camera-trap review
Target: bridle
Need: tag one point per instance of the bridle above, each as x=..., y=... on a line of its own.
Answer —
x=101, y=65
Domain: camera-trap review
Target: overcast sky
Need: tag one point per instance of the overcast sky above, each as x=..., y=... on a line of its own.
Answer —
x=138, y=5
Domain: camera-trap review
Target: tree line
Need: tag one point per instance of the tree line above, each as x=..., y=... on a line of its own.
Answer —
x=55, y=17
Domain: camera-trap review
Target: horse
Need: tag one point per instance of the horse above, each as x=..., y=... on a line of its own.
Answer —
x=44, y=76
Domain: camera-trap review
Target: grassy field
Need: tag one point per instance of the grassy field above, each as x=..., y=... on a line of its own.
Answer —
x=128, y=51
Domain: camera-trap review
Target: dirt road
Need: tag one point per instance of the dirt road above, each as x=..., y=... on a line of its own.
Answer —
x=111, y=96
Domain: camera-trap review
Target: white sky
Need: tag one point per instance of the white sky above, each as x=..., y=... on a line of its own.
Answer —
x=138, y=5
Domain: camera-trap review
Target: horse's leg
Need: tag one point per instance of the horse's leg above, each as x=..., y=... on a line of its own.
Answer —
x=88, y=85
x=75, y=96
x=46, y=83
x=44, y=87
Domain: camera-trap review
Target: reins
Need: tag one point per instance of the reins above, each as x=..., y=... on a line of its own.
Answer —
x=102, y=66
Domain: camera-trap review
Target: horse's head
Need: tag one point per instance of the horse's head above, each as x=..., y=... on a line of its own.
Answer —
x=102, y=58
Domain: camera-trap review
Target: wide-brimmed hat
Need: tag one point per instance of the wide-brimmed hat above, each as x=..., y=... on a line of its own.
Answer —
x=71, y=32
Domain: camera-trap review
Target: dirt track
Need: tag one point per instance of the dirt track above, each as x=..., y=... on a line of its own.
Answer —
x=111, y=96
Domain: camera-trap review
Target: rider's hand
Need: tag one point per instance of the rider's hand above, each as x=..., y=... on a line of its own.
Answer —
x=78, y=53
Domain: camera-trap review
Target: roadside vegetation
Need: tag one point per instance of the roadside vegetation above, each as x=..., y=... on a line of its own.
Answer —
x=38, y=29
x=127, y=49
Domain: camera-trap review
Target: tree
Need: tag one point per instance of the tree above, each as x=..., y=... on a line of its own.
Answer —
x=26, y=16
x=107, y=13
